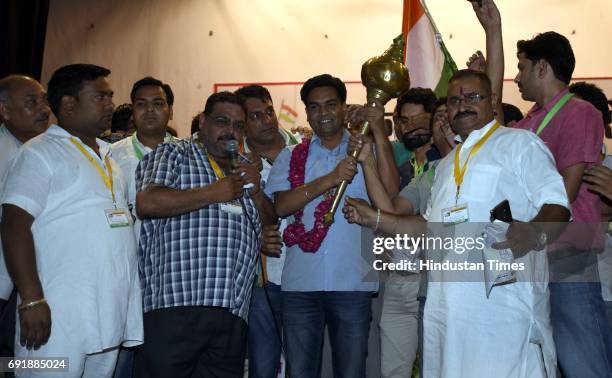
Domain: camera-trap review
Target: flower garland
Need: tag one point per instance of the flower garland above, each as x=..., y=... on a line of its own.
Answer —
x=295, y=233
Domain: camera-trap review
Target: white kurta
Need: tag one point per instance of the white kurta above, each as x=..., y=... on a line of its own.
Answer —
x=124, y=153
x=508, y=334
x=88, y=270
x=8, y=149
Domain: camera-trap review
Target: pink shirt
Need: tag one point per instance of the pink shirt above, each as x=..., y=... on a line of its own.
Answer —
x=574, y=135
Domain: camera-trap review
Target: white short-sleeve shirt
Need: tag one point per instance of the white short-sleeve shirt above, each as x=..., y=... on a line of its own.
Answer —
x=8, y=149
x=87, y=269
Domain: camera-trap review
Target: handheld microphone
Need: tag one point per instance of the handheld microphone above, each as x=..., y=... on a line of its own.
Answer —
x=232, y=149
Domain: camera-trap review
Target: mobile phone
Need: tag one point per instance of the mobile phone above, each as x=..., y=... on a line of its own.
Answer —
x=502, y=212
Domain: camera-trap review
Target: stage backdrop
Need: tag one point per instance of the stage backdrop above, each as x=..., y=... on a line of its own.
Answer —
x=195, y=44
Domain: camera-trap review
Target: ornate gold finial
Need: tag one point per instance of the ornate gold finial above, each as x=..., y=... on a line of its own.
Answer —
x=385, y=77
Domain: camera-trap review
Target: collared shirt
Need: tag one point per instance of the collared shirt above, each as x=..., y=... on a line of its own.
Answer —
x=87, y=269
x=574, y=136
x=274, y=265
x=125, y=153
x=8, y=149
x=203, y=258
x=339, y=264
x=514, y=165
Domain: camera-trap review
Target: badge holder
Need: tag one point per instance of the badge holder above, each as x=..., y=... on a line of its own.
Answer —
x=117, y=217
x=455, y=214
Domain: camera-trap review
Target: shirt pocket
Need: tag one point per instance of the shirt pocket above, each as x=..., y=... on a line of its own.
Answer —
x=481, y=183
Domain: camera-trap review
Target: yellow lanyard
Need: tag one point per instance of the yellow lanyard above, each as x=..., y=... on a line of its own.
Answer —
x=460, y=171
x=106, y=177
x=416, y=168
x=215, y=166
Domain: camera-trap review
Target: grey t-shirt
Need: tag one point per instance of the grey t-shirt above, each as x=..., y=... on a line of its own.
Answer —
x=418, y=190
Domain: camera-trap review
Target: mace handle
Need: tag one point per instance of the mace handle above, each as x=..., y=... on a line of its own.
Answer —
x=328, y=219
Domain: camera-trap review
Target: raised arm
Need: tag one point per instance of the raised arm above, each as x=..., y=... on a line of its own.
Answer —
x=378, y=193
x=385, y=162
x=490, y=19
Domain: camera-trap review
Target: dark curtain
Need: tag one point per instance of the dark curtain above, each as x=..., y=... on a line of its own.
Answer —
x=23, y=24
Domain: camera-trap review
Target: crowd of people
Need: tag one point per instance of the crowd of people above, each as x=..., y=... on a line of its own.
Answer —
x=148, y=255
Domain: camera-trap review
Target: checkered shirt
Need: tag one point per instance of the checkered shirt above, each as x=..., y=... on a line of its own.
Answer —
x=203, y=258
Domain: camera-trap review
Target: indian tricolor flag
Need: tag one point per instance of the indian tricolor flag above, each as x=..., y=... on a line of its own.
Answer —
x=287, y=114
x=427, y=59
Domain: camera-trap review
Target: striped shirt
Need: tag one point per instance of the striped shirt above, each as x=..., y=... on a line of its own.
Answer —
x=205, y=257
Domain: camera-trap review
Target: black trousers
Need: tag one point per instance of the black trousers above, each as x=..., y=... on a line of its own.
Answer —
x=7, y=325
x=192, y=342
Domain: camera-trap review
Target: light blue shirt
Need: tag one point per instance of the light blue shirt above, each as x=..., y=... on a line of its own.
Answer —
x=339, y=264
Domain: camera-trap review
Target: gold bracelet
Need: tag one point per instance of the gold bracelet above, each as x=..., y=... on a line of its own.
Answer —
x=30, y=304
x=377, y=220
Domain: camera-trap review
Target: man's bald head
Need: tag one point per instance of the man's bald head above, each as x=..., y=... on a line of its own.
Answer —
x=23, y=106
x=10, y=82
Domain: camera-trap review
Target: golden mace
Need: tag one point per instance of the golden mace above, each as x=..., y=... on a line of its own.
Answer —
x=385, y=77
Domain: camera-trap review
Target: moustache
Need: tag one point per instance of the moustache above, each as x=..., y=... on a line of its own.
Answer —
x=461, y=114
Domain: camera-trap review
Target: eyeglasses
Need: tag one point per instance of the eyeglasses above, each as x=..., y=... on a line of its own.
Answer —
x=468, y=98
x=225, y=122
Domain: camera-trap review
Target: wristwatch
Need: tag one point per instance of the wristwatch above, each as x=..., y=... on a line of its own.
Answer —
x=542, y=238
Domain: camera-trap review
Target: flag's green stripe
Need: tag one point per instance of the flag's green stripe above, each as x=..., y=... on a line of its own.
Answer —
x=448, y=70
x=285, y=117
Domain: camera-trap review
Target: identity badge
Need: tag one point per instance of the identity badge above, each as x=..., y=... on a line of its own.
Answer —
x=455, y=214
x=117, y=217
